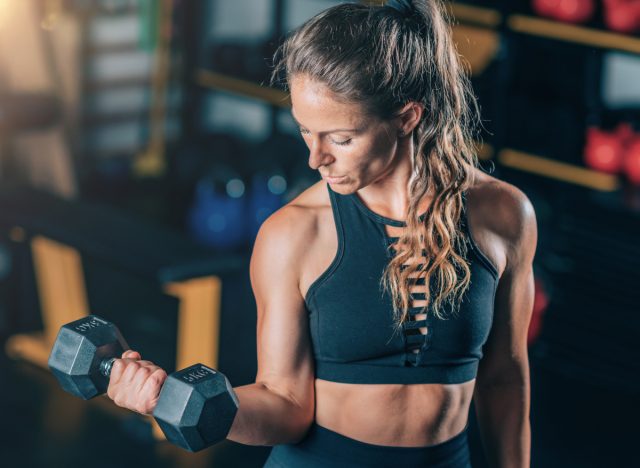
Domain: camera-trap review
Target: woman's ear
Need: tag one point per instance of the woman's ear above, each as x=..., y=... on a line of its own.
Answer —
x=408, y=118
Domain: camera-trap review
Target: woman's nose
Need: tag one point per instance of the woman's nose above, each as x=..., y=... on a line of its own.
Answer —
x=317, y=155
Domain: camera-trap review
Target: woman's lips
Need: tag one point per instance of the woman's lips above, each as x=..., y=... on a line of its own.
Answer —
x=334, y=180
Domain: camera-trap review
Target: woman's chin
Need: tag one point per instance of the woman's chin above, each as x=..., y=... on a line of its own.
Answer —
x=343, y=188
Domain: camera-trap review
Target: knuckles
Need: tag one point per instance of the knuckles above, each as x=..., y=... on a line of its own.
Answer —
x=141, y=408
x=143, y=372
x=117, y=368
x=159, y=376
x=134, y=374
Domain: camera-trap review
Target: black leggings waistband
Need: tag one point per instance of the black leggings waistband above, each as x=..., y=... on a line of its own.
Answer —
x=322, y=447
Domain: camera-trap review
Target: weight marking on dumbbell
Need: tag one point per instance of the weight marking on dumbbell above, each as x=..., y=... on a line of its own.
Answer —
x=94, y=322
x=197, y=374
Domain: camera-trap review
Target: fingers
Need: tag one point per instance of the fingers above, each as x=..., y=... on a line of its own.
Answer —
x=150, y=390
x=127, y=369
x=135, y=383
x=119, y=365
x=131, y=354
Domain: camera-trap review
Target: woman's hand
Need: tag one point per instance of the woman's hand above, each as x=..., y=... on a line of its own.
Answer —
x=135, y=384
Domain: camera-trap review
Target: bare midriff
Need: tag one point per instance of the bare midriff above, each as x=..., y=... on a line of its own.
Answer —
x=416, y=415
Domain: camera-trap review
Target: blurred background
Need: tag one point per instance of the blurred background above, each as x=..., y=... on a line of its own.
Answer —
x=141, y=147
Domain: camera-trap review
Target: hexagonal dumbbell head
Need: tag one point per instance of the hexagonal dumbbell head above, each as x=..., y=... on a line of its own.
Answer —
x=196, y=407
x=81, y=348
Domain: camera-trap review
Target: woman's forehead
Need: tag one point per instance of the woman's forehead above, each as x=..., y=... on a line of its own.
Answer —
x=313, y=101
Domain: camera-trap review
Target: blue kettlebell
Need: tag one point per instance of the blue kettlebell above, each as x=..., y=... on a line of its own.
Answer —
x=267, y=196
x=218, y=216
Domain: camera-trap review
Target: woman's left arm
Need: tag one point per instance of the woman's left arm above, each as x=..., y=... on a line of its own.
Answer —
x=502, y=393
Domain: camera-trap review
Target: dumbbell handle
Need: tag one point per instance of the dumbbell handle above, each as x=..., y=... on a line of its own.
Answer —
x=106, y=365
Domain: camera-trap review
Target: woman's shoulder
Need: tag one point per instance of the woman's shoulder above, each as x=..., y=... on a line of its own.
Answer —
x=500, y=215
x=298, y=221
x=505, y=208
x=306, y=207
x=313, y=198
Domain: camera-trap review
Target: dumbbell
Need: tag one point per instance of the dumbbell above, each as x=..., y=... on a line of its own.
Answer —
x=196, y=406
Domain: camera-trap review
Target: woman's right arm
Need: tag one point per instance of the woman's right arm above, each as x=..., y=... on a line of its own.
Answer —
x=279, y=407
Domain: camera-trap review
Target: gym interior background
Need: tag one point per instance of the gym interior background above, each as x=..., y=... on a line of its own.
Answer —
x=141, y=146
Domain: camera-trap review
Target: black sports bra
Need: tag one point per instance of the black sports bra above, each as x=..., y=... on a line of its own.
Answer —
x=351, y=317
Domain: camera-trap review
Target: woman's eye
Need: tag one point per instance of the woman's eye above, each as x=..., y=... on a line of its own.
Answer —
x=304, y=131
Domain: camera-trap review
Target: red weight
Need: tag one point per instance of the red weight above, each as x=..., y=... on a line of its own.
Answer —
x=575, y=11
x=603, y=151
x=624, y=131
x=622, y=15
x=632, y=161
x=568, y=11
x=545, y=7
x=540, y=304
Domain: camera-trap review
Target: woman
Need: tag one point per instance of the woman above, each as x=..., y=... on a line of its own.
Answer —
x=359, y=363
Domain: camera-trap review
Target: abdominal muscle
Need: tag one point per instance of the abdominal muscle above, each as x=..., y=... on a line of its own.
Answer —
x=416, y=415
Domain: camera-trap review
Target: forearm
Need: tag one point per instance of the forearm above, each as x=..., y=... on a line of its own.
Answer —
x=503, y=417
x=267, y=418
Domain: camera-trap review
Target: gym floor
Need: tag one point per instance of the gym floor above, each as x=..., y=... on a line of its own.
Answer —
x=574, y=424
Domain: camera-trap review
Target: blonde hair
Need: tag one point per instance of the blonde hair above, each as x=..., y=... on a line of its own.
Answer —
x=382, y=59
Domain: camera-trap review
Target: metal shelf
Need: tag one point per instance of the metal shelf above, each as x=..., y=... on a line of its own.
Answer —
x=558, y=170
x=219, y=81
x=572, y=33
x=470, y=14
x=485, y=151
x=542, y=27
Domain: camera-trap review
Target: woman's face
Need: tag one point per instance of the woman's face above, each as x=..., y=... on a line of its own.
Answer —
x=349, y=148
